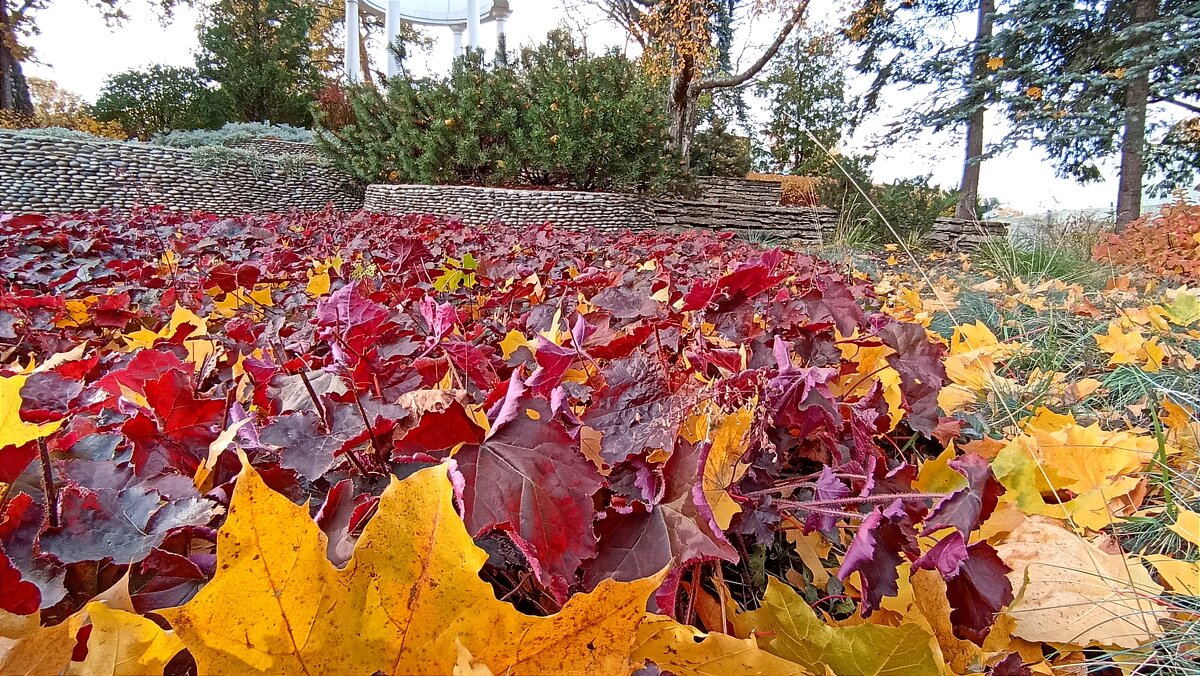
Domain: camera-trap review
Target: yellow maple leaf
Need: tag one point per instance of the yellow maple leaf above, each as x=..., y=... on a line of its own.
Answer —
x=1130, y=347
x=1070, y=591
x=788, y=628
x=13, y=430
x=683, y=650
x=995, y=63
x=724, y=466
x=318, y=284
x=125, y=644
x=402, y=605
x=1187, y=526
x=1182, y=577
x=121, y=643
x=515, y=340
x=200, y=348
x=1183, y=429
x=1054, y=454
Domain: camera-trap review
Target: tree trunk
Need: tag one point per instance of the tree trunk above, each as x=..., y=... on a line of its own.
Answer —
x=14, y=92
x=686, y=89
x=681, y=110
x=968, y=198
x=1133, y=140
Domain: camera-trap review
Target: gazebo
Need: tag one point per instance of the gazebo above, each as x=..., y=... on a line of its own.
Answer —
x=460, y=16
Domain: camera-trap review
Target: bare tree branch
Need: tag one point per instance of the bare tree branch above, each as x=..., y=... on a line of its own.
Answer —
x=1182, y=104
x=746, y=75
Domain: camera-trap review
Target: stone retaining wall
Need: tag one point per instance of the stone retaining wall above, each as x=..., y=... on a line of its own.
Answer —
x=477, y=206
x=607, y=211
x=729, y=190
x=46, y=174
x=806, y=225
x=953, y=234
x=604, y=211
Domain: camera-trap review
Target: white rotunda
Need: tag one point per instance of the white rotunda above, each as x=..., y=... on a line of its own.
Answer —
x=460, y=16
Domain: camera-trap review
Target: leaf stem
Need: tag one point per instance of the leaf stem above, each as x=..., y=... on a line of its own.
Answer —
x=48, y=484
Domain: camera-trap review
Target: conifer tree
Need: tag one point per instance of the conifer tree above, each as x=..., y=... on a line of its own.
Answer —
x=259, y=54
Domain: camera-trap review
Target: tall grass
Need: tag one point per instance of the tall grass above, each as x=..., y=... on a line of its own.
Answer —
x=1049, y=249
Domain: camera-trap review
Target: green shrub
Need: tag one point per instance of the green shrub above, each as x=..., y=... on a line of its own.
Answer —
x=554, y=116
x=232, y=132
x=911, y=205
x=717, y=152
x=159, y=99
x=906, y=208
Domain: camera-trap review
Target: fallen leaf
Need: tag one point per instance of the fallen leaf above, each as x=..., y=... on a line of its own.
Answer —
x=1070, y=591
x=124, y=644
x=685, y=651
x=1182, y=577
x=1187, y=526
x=788, y=628
x=409, y=594
x=13, y=430
x=723, y=464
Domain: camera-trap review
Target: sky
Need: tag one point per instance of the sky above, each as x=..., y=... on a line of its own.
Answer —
x=79, y=51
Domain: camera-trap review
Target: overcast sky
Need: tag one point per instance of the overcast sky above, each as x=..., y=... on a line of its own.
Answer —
x=78, y=50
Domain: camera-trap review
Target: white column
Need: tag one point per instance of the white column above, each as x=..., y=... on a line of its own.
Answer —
x=473, y=24
x=501, y=25
x=392, y=24
x=352, y=61
x=458, y=38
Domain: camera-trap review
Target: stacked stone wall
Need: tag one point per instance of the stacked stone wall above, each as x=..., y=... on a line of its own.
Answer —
x=46, y=174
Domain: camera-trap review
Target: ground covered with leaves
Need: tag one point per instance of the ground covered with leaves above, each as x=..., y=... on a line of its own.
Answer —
x=327, y=443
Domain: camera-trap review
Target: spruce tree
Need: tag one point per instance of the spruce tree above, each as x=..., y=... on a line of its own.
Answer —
x=1088, y=80
x=258, y=52
x=805, y=89
x=917, y=45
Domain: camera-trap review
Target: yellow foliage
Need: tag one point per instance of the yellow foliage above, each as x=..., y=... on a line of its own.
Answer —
x=682, y=650
x=724, y=466
x=1070, y=591
x=1130, y=347
x=404, y=604
x=1053, y=453
x=788, y=628
x=13, y=430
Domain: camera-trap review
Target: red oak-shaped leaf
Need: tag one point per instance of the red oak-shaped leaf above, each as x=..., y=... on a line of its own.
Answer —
x=679, y=529
x=635, y=411
x=165, y=580
x=442, y=423
x=14, y=460
x=1011, y=665
x=629, y=302
x=350, y=320
x=800, y=402
x=829, y=487
x=145, y=366
x=830, y=301
x=529, y=477
x=48, y=396
x=177, y=439
x=17, y=595
x=977, y=585
x=334, y=520
x=971, y=505
x=922, y=373
x=310, y=447
x=20, y=524
x=879, y=547
x=122, y=525
x=229, y=278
